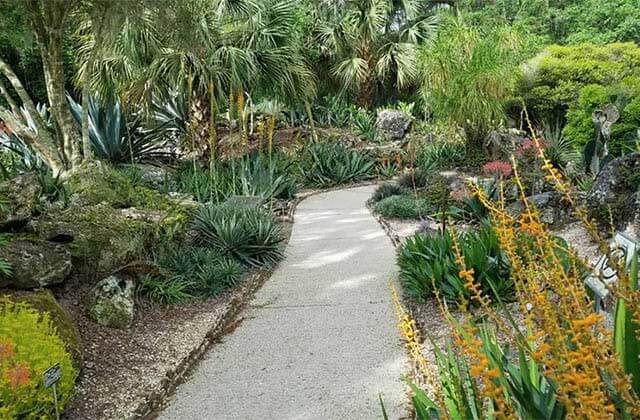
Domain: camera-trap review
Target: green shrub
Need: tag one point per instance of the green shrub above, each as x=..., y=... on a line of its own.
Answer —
x=253, y=176
x=190, y=272
x=29, y=345
x=570, y=82
x=332, y=163
x=469, y=72
x=249, y=234
x=426, y=261
x=164, y=290
x=405, y=206
x=385, y=190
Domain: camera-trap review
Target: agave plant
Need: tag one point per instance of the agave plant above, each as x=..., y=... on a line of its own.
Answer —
x=249, y=234
x=332, y=163
x=266, y=179
x=113, y=138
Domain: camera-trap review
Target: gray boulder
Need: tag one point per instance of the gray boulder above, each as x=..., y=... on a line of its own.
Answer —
x=112, y=302
x=392, y=124
x=21, y=195
x=35, y=264
x=615, y=194
x=554, y=212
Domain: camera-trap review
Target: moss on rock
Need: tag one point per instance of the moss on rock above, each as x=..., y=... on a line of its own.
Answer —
x=100, y=183
x=99, y=237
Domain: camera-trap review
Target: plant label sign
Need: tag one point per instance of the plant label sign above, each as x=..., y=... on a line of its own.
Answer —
x=52, y=375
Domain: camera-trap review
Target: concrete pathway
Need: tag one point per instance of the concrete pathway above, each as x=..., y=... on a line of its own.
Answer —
x=320, y=339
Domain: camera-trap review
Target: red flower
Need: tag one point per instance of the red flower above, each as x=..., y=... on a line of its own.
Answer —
x=498, y=167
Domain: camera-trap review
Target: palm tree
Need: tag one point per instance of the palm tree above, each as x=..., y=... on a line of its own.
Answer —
x=212, y=51
x=372, y=41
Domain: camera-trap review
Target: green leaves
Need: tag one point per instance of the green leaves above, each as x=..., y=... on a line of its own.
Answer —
x=428, y=261
x=249, y=234
x=626, y=343
x=332, y=163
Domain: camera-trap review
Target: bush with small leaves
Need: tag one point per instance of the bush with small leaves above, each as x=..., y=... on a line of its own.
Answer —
x=29, y=345
x=404, y=206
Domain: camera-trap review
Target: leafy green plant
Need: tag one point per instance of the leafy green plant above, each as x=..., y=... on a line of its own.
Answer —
x=414, y=179
x=332, y=163
x=470, y=208
x=249, y=234
x=625, y=331
x=189, y=272
x=29, y=345
x=385, y=190
x=112, y=138
x=441, y=155
x=164, y=290
x=469, y=72
x=428, y=261
x=404, y=206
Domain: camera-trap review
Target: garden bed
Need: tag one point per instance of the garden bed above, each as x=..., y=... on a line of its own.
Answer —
x=129, y=373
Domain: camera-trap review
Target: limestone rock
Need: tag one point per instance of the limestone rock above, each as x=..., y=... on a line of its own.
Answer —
x=614, y=194
x=21, y=195
x=35, y=264
x=554, y=212
x=392, y=124
x=99, y=237
x=112, y=302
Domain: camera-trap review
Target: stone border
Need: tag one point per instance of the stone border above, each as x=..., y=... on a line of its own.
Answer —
x=156, y=400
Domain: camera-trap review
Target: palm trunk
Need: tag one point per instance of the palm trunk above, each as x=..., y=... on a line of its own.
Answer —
x=365, y=93
x=312, y=124
x=200, y=120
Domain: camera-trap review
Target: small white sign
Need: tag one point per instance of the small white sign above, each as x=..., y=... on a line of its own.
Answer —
x=52, y=375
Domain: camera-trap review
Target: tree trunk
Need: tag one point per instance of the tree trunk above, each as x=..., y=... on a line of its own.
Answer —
x=41, y=140
x=365, y=93
x=200, y=118
x=86, y=139
x=49, y=20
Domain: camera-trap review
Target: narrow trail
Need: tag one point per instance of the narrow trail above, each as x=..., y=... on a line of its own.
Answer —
x=319, y=340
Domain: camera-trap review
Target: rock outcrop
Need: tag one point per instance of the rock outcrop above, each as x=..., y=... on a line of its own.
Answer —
x=35, y=264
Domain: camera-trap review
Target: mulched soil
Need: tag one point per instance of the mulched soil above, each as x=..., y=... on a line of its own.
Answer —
x=122, y=368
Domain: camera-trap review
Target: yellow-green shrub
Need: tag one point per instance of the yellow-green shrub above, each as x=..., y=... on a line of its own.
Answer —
x=29, y=345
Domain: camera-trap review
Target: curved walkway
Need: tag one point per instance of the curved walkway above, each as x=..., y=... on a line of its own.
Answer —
x=319, y=340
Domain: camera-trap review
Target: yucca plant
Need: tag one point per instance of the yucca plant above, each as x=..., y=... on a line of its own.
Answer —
x=249, y=234
x=266, y=178
x=332, y=163
x=385, y=190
